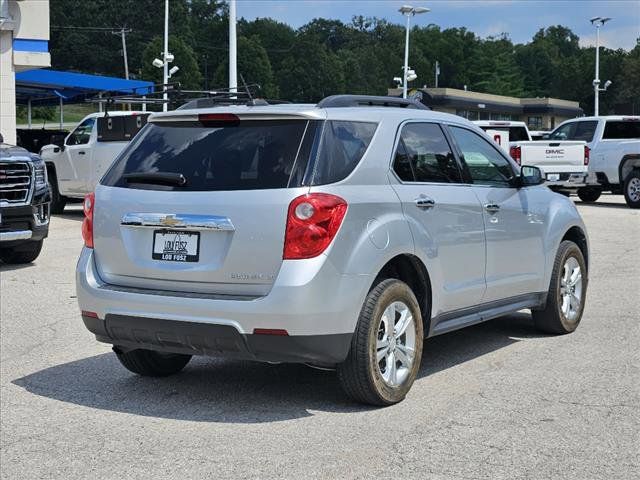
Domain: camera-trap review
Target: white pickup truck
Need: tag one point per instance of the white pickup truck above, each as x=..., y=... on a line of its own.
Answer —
x=564, y=164
x=88, y=151
x=614, y=164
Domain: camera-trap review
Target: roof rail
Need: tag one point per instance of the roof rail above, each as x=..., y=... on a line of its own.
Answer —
x=336, y=101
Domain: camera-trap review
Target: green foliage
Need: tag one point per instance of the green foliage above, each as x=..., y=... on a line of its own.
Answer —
x=328, y=56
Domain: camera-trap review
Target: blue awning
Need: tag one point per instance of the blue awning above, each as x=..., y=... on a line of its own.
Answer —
x=46, y=87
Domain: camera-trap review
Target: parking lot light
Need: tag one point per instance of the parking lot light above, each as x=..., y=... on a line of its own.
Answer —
x=408, y=11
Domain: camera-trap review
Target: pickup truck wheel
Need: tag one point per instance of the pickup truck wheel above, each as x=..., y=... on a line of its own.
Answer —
x=632, y=189
x=567, y=292
x=58, y=202
x=152, y=364
x=23, y=253
x=589, y=194
x=386, y=348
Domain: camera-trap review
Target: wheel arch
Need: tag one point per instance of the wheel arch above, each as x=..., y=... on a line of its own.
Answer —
x=627, y=164
x=579, y=237
x=411, y=270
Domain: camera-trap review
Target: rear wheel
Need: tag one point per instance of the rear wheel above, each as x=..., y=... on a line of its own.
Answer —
x=386, y=348
x=26, y=252
x=589, y=194
x=632, y=189
x=567, y=292
x=152, y=364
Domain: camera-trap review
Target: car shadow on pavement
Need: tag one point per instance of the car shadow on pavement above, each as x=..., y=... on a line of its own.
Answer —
x=9, y=267
x=231, y=391
x=622, y=206
x=70, y=215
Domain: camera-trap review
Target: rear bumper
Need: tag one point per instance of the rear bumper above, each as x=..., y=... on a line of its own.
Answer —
x=568, y=180
x=311, y=300
x=194, y=338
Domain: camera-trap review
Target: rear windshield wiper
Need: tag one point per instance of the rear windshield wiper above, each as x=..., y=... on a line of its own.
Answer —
x=156, y=178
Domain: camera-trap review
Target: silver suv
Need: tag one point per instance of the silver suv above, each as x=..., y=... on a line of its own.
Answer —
x=338, y=235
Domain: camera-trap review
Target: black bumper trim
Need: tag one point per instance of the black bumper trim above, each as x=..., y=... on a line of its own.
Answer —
x=217, y=340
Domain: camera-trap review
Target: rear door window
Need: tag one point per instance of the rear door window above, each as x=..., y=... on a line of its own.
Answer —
x=575, y=131
x=625, y=129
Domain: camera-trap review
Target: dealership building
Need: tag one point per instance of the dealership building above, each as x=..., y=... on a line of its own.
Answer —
x=537, y=113
x=24, y=45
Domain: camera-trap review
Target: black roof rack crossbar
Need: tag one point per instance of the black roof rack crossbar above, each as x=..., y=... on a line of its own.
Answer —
x=335, y=101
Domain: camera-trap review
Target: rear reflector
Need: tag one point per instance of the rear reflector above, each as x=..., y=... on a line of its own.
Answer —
x=86, y=313
x=270, y=331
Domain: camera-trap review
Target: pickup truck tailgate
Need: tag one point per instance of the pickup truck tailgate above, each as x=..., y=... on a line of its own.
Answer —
x=554, y=156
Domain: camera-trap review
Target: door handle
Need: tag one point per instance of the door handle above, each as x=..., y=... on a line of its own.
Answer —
x=492, y=207
x=81, y=152
x=425, y=202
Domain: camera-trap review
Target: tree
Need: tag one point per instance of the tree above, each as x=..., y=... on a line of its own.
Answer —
x=253, y=65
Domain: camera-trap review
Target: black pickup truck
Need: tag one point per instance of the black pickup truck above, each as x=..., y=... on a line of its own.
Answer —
x=24, y=204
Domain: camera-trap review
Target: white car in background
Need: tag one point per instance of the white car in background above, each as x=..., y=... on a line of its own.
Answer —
x=75, y=168
x=614, y=143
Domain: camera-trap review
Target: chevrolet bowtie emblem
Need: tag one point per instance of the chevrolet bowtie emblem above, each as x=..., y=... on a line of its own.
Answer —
x=170, y=221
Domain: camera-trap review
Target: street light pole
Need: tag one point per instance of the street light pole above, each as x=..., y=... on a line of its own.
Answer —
x=408, y=11
x=233, y=65
x=406, y=58
x=165, y=69
x=598, y=22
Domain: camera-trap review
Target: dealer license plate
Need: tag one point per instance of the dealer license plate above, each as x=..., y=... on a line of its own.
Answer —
x=176, y=246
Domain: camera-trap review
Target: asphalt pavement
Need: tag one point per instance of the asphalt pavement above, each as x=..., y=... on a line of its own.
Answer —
x=495, y=401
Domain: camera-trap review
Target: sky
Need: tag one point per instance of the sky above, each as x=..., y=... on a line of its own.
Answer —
x=520, y=19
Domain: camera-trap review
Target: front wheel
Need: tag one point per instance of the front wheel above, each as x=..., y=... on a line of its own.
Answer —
x=386, y=348
x=589, y=194
x=23, y=253
x=632, y=189
x=58, y=201
x=567, y=292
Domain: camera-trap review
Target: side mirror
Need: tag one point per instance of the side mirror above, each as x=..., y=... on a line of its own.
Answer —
x=530, y=175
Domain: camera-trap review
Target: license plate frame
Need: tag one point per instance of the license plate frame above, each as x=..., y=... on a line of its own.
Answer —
x=183, y=253
x=553, y=177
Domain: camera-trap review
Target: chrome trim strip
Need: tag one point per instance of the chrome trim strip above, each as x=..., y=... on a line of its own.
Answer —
x=173, y=220
x=17, y=235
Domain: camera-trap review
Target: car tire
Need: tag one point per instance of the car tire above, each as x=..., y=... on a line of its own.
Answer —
x=149, y=363
x=58, y=202
x=367, y=375
x=23, y=253
x=567, y=292
x=589, y=194
x=631, y=189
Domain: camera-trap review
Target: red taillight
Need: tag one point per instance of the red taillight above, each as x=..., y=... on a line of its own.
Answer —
x=587, y=154
x=312, y=222
x=516, y=154
x=87, y=223
x=86, y=313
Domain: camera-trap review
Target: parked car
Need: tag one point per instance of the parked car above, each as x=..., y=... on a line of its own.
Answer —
x=517, y=131
x=24, y=204
x=88, y=151
x=339, y=235
x=614, y=163
x=539, y=134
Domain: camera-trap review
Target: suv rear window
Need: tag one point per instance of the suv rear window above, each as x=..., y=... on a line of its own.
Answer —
x=621, y=129
x=244, y=155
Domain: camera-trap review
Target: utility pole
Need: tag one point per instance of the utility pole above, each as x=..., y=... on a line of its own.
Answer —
x=233, y=63
x=123, y=32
